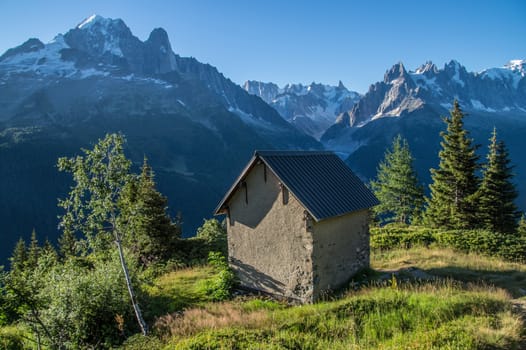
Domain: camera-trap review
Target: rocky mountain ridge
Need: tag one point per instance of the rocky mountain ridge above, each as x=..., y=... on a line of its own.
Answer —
x=196, y=127
x=312, y=108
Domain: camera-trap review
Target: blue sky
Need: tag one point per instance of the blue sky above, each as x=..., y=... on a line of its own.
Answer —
x=299, y=41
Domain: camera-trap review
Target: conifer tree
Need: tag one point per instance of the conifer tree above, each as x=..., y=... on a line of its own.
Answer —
x=33, y=251
x=67, y=244
x=153, y=234
x=521, y=229
x=396, y=185
x=454, y=183
x=19, y=258
x=495, y=197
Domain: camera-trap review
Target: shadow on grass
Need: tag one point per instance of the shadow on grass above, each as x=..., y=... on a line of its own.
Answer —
x=158, y=305
x=513, y=281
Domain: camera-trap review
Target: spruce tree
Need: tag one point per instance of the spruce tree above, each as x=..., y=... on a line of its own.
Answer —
x=33, y=251
x=396, y=185
x=67, y=244
x=454, y=183
x=19, y=258
x=495, y=197
x=152, y=233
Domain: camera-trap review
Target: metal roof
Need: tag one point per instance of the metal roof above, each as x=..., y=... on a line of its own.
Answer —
x=321, y=181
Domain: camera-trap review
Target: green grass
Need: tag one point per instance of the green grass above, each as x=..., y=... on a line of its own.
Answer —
x=447, y=263
x=176, y=290
x=470, y=308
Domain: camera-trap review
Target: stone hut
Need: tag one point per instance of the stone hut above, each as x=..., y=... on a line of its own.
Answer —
x=297, y=223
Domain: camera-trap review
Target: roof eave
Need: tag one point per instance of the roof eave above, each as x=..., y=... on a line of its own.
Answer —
x=220, y=207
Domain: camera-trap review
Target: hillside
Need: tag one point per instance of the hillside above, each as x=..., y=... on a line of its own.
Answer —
x=419, y=298
x=195, y=125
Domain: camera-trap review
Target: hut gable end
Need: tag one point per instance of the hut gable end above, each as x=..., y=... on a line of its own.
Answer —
x=297, y=223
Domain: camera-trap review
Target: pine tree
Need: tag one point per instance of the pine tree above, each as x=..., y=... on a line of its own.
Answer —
x=152, y=233
x=521, y=229
x=33, y=251
x=67, y=244
x=19, y=258
x=396, y=185
x=49, y=250
x=454, y=183
x=495, y=197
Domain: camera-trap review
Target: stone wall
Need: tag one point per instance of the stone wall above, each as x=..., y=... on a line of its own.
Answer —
x=277, y=257
x=341, y=248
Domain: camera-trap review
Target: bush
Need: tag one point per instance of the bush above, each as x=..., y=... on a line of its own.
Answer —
x=507, y=246
x=220, y=287
x=214, y=235
x=398, y=236
x=11, y=339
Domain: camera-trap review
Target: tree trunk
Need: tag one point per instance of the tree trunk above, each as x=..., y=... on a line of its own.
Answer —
x=138, y=314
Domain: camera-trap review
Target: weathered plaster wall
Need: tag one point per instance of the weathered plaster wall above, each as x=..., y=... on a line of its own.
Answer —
x=341, y=248
x=277, y=257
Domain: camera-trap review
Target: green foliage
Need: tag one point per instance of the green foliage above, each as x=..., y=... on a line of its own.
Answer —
x=86, y=307
x=91, y=208
x=33, y=251
x=442, y=316
x=213, y=233
x=510, y=247
x=496, y=209
x=19, y=257
x=67, y=243
x=151, y=234
x=94, y=207
x=220, y=287
x=11, y=338
x=72, y=304
x=397, y=236
x=396, y=185
x=454, y=183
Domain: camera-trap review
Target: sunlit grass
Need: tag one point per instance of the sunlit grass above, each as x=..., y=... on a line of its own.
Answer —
x=469, y=307
x=449, y=263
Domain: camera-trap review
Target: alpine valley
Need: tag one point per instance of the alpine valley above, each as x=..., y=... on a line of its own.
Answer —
x=197, y=128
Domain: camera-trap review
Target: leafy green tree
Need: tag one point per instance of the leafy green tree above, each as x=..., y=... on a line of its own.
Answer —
x=454, y=183
x=93, y=205
x=152, y=235
x=497, y=193
x=396, y=186
x=213, y=234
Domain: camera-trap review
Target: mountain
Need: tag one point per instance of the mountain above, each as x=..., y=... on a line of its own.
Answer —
x=412, y=102
x=312, y=108
x=196, y=127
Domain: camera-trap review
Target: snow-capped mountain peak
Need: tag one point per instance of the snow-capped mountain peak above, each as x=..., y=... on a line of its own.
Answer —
x=429, y=68
x=311, y=108
x=89, y=21
x=517, y=66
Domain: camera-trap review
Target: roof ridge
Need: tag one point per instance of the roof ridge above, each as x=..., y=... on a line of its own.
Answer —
x=264, y=153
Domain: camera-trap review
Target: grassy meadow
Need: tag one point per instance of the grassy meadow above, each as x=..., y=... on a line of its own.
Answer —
x=419, y=298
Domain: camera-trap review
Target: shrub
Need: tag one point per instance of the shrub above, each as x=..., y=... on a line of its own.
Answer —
x=214, y=235
x=507, y=246
x=220, y=287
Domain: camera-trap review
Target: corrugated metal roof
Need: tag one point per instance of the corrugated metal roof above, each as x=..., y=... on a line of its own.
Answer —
x=321, y=181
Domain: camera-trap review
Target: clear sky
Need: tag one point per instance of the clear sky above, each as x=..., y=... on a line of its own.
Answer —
x=299, y=41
